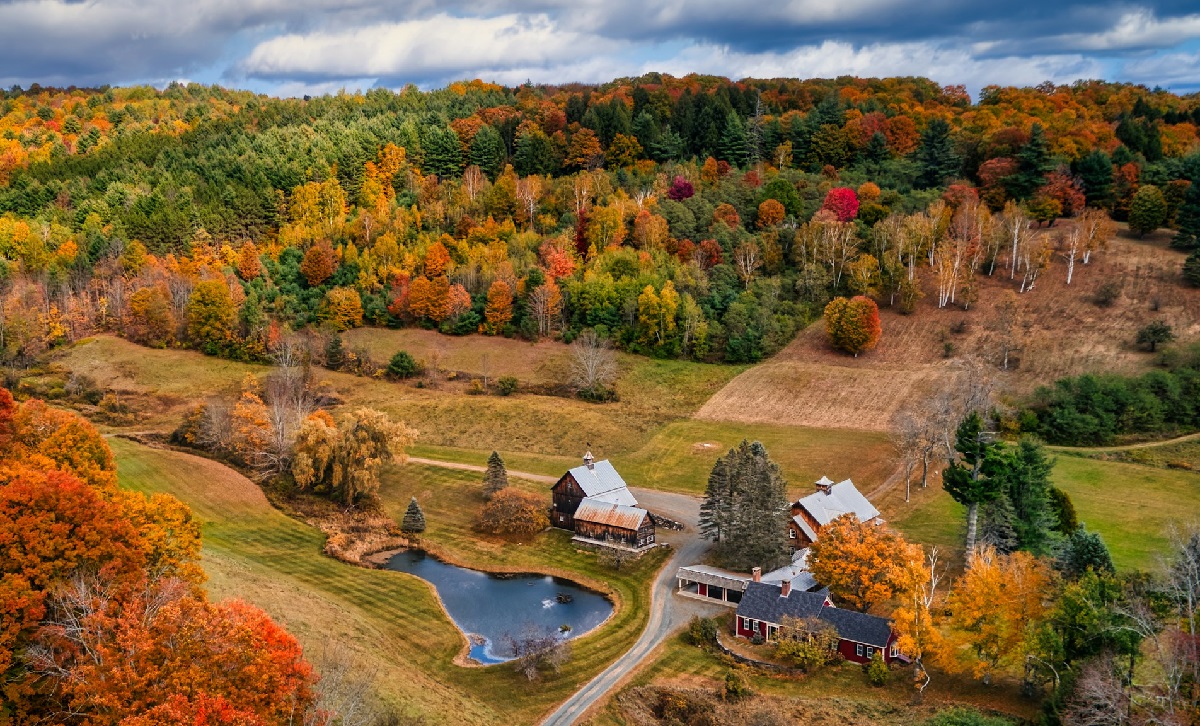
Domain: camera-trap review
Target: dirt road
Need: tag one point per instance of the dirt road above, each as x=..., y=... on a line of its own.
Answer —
x=667, y=613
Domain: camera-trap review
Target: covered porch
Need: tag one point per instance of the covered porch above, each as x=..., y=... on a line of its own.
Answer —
x=711, y=584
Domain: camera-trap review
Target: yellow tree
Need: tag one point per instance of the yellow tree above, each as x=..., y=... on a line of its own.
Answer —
x=996, y=604
x=251, y=426
x=343, y=308
x=498, y=311
x=918, y=636
x=862, y=564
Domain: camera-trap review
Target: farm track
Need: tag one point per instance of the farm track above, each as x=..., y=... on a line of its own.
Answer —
x=1125, y=447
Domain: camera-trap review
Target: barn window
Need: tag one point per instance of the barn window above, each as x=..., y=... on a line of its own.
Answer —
x=858, y=649
x=791, y=533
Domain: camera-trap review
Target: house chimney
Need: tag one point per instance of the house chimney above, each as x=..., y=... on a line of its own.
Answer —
x=785, y=588
x=824, y=485
x=588, y=460
x=756, y=574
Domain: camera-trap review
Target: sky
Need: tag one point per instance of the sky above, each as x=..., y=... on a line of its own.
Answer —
x=296, y=47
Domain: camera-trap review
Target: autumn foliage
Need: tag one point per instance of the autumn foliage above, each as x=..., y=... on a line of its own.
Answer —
x=843, y=202
x=512, y=511
x=853, y=325
x=862, y=564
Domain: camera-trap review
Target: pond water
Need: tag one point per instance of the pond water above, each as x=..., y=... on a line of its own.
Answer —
x=489, y=608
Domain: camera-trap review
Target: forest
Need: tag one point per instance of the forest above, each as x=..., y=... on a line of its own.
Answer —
x=691, y=217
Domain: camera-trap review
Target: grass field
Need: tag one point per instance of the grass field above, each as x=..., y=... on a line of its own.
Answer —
x=389, y=621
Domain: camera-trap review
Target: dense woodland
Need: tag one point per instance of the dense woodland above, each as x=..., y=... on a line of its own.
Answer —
x=678, y=217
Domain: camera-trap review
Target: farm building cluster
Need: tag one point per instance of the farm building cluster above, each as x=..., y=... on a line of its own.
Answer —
x=594, y=502
x=763, y=601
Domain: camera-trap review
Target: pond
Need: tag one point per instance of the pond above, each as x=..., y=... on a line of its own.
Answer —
x=490, y=608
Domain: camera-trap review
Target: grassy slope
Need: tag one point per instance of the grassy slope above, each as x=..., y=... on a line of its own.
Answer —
x=389, y=620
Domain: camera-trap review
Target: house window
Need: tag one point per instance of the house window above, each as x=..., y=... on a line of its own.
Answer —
x=870, y=652
x=858, y=649
x=895, y=650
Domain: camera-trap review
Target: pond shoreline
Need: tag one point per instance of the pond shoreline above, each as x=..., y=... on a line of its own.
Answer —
x=378, y=560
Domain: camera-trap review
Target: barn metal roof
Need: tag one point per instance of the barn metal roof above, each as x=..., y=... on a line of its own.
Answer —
x=614, y=515
x=842, y=498
x=713, y=576
x=602, y=483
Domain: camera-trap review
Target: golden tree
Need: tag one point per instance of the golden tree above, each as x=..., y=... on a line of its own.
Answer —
x=863, y=565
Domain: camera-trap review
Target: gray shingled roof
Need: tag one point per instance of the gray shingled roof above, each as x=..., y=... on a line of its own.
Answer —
x=603, y=484
x=843, y=498
x=762, y=601
x=858, y=627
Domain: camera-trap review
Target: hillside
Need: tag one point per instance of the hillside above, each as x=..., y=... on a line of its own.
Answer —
x=1062, y=332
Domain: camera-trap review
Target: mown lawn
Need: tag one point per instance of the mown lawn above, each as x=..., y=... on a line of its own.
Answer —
x=390, y=621
x=1132, y=506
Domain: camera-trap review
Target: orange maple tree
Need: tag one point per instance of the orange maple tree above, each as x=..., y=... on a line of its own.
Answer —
x=862, y=564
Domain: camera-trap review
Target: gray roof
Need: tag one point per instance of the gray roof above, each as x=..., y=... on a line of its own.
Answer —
x=843, y=498
x=713, y=576
x=603, y=484
x=858, y=627
x=798, y=575
x=762, y=601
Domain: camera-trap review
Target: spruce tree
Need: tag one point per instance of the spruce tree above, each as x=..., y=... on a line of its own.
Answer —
x=969, y=479
x=414, y=519
x=996, y=525
x=335, y=353
x=733, y=145
x=1191, y=268
x=487, y=151
x=1188, y=219
x=1096, y=172
x=936, y=158
x=443, y=153
x=1083, y=551
x=747, y=504
x=1033, y=164
x=1024, y=474
x=496, y=477
x=534, y=154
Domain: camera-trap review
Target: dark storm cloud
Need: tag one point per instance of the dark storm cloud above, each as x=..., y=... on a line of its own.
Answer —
x=429, y=41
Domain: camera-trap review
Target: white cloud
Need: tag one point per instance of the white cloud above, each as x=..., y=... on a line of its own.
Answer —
x=1137, y=30
x=1172, y=69
x=437, y=46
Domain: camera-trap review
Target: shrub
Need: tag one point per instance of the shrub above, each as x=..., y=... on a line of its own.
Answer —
x=736, y=687
x=403, y=365
x=877, y=671
x=476, y=388
x=1107, y=294
x=512, y=511
x=506, y=386
x=960, y=716
x=702, y=631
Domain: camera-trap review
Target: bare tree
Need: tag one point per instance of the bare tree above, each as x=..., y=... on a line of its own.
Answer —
x=1100, y=698
x=536, y=649
x=1006, y=325
x=345, y=692
x=473, y=181
x=593, y=363
x=529, y=191
x=907, y=440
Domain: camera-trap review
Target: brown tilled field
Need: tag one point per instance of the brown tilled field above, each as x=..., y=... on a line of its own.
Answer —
x=1062, y=332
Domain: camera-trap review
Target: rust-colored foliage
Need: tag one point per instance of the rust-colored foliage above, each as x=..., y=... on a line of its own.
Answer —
x=318, y=264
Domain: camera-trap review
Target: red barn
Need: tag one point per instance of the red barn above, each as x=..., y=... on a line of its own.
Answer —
x=764, y=605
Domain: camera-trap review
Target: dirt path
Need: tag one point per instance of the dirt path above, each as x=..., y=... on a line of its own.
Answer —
x=1126, y=447
x=667, y=613
x=475, y=467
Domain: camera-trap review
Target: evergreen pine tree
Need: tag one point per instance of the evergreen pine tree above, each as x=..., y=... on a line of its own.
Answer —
x=1033, y=164
x=1188, y=219
x=443, y=153
x=969, y=479
x=756, y=510
x=733, y=146
x=1083, y=551
x=716, y=509
x=535, y=154
x=335, y=353
x=877, y=149
x=487, y=151
x=1191, y=268
x=1096, y=172
x=936, y=158
x=414, y=519
x=996, y=525
x=496, y=477
x=1024, y=474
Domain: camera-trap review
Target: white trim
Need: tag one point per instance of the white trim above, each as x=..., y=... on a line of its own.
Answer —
x=858, y=649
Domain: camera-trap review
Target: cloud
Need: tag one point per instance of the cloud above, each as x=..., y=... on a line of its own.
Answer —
x=423, y=50
x=1180, y=70
x=288, y=46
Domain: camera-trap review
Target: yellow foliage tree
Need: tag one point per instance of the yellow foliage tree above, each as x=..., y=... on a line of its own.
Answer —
x=343, y=308
x=862, y=564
